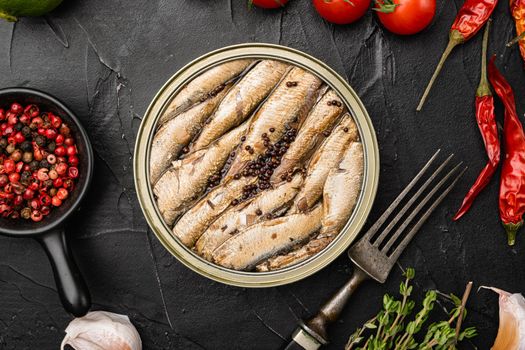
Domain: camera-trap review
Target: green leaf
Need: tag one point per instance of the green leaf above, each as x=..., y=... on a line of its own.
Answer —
x=370, y=325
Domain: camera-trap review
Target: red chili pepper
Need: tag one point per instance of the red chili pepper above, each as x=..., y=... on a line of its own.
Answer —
x=486, y=119
x=517, y=9
x=470, y=19
x=512, y=186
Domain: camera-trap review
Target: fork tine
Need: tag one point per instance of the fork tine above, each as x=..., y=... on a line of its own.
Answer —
x=407, y=206
x=399, y=249
x=375, y=227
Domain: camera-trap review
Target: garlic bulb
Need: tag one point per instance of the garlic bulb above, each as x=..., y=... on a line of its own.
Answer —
x=101, y=330
x=511, y=331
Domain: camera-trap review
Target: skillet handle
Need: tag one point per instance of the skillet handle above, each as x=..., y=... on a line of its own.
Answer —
x=72, y=289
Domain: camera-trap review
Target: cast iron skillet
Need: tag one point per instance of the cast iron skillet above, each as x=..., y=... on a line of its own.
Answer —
x=49, y=232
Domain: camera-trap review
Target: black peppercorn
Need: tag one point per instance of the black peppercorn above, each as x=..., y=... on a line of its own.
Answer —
x=33, y=165
x=44, y=164
x=26, y=146
x=52, y=146
x=3, y=142
x=40, y=141
x=19, y=126
x=26, y=131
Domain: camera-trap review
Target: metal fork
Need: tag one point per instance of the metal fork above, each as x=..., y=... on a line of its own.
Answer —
x=372, y=256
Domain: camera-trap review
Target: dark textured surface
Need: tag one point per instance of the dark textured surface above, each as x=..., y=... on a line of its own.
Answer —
x=107, y=59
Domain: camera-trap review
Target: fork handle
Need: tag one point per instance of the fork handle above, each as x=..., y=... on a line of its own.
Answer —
x=316, y=327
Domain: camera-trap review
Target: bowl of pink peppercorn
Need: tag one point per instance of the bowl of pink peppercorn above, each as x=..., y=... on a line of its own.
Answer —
x=46, y=166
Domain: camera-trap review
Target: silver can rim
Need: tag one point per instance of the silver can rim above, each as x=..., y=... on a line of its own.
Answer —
x=285, y=275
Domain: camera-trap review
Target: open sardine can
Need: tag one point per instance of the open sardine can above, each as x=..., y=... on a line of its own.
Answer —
x=241, y=278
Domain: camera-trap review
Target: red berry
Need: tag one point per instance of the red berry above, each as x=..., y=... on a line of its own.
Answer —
x=29, y=194
x=31, y=111
x=45, y=210
x=16, y=108
x=3, y=127
x=42, y=174
x=12, y=119
x=72, y=172
x=36, y=216
x=56, y=201
x=18, y=200
x=45, y=199
x=19, y=167
x=59, y=139
x=69, y=141
x=58, y=182
x=2, y=114
x=71, y=150
x=26, y=167
x=41, y=131
x=64, y=130
x=51, y=134
x=3, y=180
x=73, y=161
x=24, y=119
x=34, y=203
x=60, y=151
x=61, y=168
x=9, y=166
x=19, y=137
x=62, y=193
x=34, y=186
x=55, y=121
x=37, y=121
x=51, y=159
x=14, y=177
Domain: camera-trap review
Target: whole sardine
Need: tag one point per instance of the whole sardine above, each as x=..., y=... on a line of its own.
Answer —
x=236, y=219
x=242, y=100
x=286, y=107
x=187, y=179
x=260, y=241
x=321, y=119
x=177, y=133
x=195, y=221
x=206, y=84
x=340, y=195
x=324, y=159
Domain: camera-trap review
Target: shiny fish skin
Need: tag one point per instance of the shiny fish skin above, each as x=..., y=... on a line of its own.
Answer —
x=338, y=206
x=177, y=133
x=244, y=250
x=187, y=179
x=238, y=218
x=200, y=87
x=325, y=158
x=242, y=100
x=283, y=106
x=321, y=118
x=196, y=220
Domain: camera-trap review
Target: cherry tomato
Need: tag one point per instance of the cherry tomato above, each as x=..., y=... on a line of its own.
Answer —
x=405, y=17
x=269, y=4
x=341, y=11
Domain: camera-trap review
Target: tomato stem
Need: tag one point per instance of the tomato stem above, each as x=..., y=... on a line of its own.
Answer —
x=511, y=230
x=455, y=38
x=484, y=87
x=385, y=6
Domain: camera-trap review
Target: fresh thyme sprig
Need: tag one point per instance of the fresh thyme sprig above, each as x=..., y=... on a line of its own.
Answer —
x=388, y=331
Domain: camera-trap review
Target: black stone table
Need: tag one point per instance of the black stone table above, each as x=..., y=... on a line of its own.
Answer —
x=107, y=59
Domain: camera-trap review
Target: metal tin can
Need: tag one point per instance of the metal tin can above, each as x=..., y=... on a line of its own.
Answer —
x=292, y=273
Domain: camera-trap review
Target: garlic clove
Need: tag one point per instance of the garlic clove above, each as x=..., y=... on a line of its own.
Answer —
x=101, y=330
x=511, y=330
